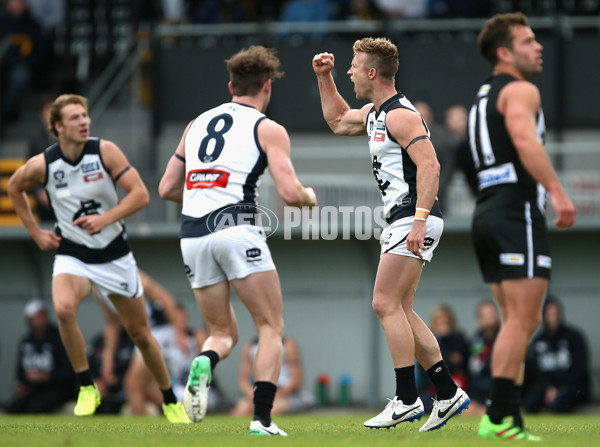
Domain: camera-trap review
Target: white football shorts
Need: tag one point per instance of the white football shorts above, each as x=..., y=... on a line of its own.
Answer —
x=393, y=237
x=118, y=277
x=231, y=253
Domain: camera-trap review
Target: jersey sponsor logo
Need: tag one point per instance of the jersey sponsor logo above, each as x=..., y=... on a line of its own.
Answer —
x=497, y=175
x=93, y=177
x=544, y=261
x=379, y=136
x=405, y=201
x=89, y=167
x=512, y=259
x=207, y=178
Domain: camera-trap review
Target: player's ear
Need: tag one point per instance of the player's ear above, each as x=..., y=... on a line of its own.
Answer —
x=504, y=54
x=230, y=86
x=267, y=86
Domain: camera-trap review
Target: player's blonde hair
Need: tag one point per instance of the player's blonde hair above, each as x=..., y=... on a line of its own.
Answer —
x=250, y=68
x=57, y=106
x=383, y=55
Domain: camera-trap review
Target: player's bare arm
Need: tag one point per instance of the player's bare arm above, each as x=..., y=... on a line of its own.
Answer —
x=128, y=179
x=173, y=180
x=24, y=179
x=406, y=127
x=339, y=116
x=275, y=142
x=519, y=102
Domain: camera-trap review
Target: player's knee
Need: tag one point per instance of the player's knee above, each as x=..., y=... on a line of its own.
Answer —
x=380, y=306
x=65, y=313
x=141, y=337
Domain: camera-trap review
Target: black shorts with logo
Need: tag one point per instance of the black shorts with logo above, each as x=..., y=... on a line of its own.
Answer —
x=510, y=237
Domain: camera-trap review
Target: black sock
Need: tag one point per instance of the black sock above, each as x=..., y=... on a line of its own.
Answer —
x=516, y=405
x=85, y=378
x=213, y=357
x=439, y=374
x=169, y=396
x=406, y=385
x=502, y=392
x=264, y=394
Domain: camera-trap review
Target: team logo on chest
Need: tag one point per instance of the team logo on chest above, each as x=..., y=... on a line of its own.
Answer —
x=207, y=178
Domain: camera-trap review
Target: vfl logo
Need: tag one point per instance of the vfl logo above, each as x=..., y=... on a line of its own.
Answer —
x=207, y=178
x=59, y=176
x=380, y=125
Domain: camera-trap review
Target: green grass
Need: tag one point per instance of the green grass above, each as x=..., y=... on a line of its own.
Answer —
x=304, y=431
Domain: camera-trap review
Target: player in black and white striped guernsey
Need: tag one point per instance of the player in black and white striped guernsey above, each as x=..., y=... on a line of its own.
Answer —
x=407, y=173
x=79, y=174
x=215, y=172
x=506, y=135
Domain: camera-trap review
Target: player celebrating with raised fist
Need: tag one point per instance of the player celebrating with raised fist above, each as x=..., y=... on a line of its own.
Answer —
x=407, y=173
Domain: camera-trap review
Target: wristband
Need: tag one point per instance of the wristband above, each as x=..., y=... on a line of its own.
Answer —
x=421, y=213
x=421, y=219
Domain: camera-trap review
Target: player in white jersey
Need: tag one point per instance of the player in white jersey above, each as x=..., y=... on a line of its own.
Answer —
x=79, y=174
x=407, y=173
x=215, y=172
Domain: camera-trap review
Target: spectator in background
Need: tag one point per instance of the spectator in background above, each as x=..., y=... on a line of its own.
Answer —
x=557, y=371
x=290, y=396
x=45, y=380
x=482, y=343
x=454, y=348
x=446, y=145
x=21, y=40
x=455, y=120
x=402, y=9
x=304, y=11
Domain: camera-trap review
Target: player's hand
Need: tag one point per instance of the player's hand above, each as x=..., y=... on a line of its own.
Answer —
x=565, y=210
x=46, y=240
x=312, y=197
x=323, y=63
x=92, y=223
x=415, y=240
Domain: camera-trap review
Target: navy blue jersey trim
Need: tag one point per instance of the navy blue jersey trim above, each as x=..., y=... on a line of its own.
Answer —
x=118, y=248
x=399, y=212
x=396, y=244
x=242, y=213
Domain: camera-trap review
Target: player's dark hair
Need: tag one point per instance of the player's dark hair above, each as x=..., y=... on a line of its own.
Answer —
x=497, y=32
x=250, y=68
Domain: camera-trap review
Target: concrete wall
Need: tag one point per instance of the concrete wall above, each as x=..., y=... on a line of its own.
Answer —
x=327, y=292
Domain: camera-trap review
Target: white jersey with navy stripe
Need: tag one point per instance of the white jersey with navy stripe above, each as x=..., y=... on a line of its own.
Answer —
x=223, y=163
x=394, y=170
x=78, y=188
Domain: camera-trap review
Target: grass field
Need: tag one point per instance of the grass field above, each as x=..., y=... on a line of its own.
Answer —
x=304, y=431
